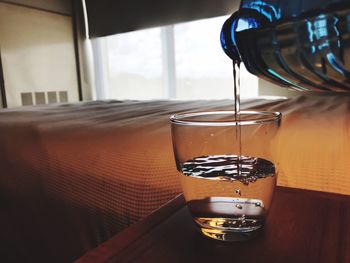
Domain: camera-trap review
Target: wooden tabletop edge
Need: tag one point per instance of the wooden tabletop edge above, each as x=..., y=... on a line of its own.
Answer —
x=114, y=245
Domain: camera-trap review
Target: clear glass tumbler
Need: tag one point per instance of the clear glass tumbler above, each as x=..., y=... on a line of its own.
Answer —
x=226, y=168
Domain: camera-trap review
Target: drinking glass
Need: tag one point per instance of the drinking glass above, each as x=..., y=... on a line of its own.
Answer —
x=226, y=169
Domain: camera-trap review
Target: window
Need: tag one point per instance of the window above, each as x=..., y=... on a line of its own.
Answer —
x=135, y=65
x=203, y=71
x=183, y=61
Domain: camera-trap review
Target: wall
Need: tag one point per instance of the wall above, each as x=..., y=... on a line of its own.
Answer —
x=57, y=6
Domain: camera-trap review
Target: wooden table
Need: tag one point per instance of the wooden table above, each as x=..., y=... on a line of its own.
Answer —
x=302, y=226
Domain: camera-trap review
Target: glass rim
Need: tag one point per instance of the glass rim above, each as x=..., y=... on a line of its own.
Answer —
x=268, y=116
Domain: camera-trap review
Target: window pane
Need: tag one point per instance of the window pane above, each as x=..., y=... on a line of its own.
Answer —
x=203, y=70
x=135, y=65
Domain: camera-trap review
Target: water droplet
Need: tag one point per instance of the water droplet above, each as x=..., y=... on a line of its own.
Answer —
x=238, y=191
x=239, y=206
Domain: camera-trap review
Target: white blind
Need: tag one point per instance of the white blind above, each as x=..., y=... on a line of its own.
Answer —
x=37, y=51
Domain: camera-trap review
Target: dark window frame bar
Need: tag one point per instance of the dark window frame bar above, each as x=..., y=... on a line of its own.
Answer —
x=76, y=48
x=2, y=85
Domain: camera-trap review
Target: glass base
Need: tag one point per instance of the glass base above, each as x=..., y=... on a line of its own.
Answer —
x=228, y=235
x=229, y=229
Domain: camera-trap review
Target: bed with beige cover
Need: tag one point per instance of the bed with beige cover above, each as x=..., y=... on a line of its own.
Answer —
x=74, y=175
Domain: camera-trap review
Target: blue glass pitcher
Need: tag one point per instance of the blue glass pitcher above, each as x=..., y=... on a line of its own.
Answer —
x=302, y=44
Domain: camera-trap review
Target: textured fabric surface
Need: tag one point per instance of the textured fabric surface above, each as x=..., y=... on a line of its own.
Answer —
x=313, y=143
x=74, y=175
